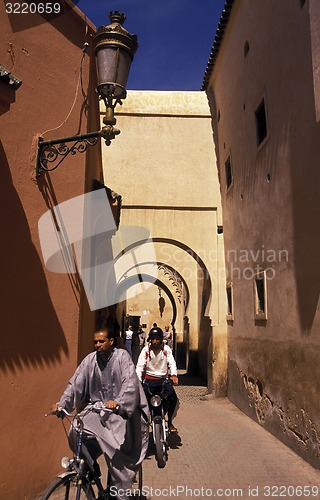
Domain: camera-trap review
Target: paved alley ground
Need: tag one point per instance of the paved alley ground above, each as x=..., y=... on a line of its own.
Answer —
x=221, y=453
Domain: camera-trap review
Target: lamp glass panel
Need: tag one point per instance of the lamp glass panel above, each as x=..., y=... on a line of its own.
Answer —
x=113, y=67
x=106, y=64
x=123, y=67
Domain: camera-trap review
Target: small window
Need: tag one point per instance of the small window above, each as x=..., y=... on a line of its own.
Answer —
x=260, y=292
x=229, y=290
x=261, y=123
x=246, y=48
x=229, y=177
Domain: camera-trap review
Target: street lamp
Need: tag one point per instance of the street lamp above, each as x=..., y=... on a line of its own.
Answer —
x=114, y=51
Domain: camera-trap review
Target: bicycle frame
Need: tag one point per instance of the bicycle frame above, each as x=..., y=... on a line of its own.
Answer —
x=77, y=465
x=81, y=474
x=80, y=469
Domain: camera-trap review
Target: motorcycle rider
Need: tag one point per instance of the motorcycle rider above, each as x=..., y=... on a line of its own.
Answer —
x=153, y=367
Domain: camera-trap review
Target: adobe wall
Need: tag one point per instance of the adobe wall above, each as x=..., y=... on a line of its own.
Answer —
x=40, y=309
x=269, y=214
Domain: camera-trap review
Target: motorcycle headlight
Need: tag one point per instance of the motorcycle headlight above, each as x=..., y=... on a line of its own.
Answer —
x=155, y=400
x=65, y=462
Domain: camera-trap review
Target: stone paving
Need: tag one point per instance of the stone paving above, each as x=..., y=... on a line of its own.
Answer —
x=220, y=452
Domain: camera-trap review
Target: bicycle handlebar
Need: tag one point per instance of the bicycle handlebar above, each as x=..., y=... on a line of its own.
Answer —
x=96, y=407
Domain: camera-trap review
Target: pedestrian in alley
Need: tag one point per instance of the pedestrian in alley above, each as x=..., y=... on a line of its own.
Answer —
x=142, y=337
x=135, y=345
x=167, y=337
x=128, y=341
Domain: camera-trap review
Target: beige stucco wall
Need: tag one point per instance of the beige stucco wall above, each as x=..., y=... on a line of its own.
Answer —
x=269, y=215
x=163, y=165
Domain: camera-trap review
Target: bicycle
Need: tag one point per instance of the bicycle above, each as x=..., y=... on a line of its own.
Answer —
x=81, y=479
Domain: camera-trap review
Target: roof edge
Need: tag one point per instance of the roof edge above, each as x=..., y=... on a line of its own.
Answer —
x=224, y=19
x=164, y=103
x=78, y=13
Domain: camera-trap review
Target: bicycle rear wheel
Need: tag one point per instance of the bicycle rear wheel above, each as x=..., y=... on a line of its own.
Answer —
x=65, y=488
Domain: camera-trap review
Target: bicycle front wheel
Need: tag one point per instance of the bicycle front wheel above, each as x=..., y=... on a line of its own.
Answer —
x=65, y=488
x=160, y=444
x=137, y=485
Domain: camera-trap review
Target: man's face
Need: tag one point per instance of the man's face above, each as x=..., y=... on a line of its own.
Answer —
x=156, y=343
x=102, y=343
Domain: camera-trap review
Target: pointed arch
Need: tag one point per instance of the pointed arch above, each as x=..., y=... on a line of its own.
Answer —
x=172, y=269
x=128, y=283
x=207, y=284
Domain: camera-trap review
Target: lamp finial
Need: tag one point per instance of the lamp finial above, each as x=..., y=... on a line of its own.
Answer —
x=117, y=17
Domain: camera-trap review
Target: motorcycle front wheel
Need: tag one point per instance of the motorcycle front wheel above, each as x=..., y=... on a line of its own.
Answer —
x=160, y=445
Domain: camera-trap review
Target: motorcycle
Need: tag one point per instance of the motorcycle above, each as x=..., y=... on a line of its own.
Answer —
x=159, y=422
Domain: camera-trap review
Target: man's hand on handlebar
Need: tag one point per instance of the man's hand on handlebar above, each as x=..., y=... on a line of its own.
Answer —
x=112, y=405
x=57, y=409
x=174, y=379
x=116, y=408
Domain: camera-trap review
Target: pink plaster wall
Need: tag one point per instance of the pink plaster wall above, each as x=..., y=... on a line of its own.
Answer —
x=39, y=309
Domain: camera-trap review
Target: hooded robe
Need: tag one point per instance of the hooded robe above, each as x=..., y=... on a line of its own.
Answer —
x=123, y=442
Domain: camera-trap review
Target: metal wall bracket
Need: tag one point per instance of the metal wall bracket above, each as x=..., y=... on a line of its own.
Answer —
x=52, y=153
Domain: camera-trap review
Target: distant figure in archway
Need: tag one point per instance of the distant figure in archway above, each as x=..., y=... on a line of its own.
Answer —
x=167, y=336
x=128, y=341
x=162, y=304
x=135, y=345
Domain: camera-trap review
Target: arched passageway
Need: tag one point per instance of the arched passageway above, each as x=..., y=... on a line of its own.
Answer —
x=194, y=329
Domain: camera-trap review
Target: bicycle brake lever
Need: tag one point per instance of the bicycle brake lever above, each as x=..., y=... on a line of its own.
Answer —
x=59, y=413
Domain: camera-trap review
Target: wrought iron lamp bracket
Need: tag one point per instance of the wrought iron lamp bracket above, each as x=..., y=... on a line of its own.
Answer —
x=52, y=153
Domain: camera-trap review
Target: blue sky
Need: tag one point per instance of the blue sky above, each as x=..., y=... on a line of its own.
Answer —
x=175, y=38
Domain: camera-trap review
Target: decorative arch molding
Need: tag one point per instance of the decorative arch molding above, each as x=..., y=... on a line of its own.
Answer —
x=129, y=282
x=176, y=280
x=173, y=273
x=207, y=284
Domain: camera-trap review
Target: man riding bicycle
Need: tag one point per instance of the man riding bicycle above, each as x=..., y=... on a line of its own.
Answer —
x=108, y=375
x=153, y=367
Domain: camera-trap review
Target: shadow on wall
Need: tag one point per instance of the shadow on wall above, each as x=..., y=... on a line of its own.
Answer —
x=205, y=347
x=31, y=332
x=306, y=214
